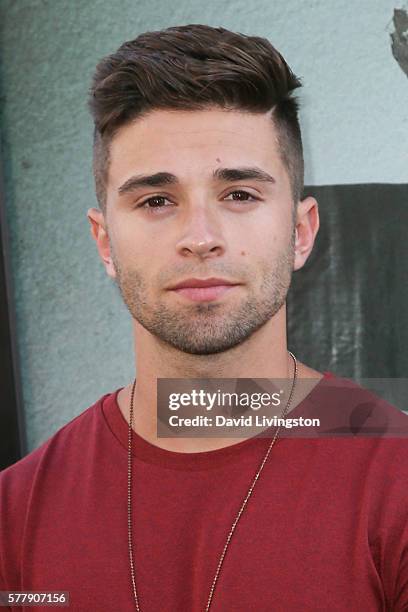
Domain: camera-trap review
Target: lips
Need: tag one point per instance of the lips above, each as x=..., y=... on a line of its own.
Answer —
x=204, y=290
x=198, y=282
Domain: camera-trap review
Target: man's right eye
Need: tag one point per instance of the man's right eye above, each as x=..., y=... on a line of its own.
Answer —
x=153, y=202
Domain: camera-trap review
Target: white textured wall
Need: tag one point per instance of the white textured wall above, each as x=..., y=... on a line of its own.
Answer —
x=73, y=333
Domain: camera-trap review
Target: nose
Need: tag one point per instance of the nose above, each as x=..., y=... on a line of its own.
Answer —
x=201, y=236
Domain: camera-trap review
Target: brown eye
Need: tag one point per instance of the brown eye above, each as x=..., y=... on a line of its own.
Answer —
x=156, y=201
x=241, y=196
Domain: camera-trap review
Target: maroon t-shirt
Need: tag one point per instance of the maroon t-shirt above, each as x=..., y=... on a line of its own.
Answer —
x=325, y=529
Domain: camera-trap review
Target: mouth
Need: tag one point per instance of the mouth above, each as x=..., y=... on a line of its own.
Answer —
x=204, y=290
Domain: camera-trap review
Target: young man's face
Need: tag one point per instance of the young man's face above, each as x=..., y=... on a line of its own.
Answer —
x=195, y=218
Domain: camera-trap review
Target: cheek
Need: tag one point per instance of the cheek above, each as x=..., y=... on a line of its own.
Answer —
x=257, y=246
x=127, y=242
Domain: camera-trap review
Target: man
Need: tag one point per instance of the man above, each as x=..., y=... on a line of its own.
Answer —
x=199, y=174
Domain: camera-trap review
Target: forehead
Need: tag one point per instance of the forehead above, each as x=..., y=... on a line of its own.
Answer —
x=183, y=142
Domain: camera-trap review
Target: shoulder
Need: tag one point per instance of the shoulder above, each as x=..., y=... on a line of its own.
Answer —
x=355, y=418
x=63, y=446
x=361, y=410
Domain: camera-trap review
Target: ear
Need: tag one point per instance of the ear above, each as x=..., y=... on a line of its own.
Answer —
x=100, y=235
x=307, y=226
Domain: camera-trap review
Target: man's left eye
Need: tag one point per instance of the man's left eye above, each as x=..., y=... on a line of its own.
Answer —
x=241, y=195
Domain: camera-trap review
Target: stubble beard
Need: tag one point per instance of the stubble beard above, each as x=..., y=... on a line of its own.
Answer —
x=213, y=327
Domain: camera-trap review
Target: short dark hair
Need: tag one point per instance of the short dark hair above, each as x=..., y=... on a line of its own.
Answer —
x=194, y=67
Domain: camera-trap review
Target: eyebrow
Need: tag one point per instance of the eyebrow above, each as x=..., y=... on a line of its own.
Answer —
x=243, y=174
x=161, y=179
x=152, y=180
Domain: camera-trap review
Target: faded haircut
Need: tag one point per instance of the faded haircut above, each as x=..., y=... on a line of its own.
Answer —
x=195, y=67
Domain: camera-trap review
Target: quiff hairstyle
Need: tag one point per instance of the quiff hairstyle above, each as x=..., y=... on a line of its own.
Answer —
x=194, y=67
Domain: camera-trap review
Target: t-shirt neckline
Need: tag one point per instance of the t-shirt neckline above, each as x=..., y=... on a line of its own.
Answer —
x=149, y=453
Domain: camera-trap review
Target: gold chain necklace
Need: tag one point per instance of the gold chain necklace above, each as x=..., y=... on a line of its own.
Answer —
x=241, y=510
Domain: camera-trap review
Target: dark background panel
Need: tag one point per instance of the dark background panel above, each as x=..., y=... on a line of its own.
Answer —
x=348, y=306
x=12, y=431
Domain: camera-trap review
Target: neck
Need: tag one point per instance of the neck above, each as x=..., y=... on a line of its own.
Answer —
x=263, y=355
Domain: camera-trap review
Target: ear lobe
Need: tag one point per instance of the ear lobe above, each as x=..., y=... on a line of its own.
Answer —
x=307, y=226
x=100, y=234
